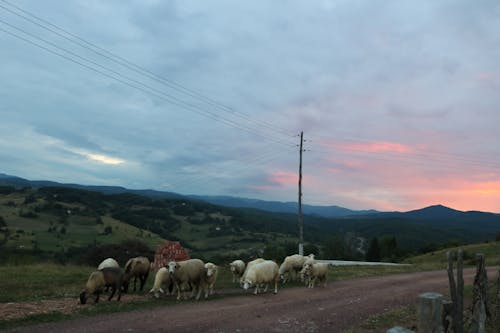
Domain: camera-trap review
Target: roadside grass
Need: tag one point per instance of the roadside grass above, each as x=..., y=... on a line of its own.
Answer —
x=41, y=281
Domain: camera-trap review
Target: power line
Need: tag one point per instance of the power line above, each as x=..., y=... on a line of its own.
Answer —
x=414, y=158
x=136, y=68
x=249, y=163
x=137, y=84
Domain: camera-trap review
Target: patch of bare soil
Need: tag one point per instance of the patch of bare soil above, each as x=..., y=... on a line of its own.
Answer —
x=339, y=306
x=14, y=310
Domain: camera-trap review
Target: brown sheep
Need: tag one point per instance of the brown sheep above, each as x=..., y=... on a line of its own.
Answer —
x=138, y=268
x=110, y=276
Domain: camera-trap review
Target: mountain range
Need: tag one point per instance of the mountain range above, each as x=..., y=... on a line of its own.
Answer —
x=431, y=213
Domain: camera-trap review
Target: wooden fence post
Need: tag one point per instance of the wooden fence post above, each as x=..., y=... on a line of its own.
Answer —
x=430, y=307
x=459, y=307
x=480, y=309
x=456, y=309
x=497, y=309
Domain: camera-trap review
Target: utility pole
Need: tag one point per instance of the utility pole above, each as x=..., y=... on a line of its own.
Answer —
x=301, y=227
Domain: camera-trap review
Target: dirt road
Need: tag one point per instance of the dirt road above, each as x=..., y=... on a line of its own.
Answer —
x=342, y=304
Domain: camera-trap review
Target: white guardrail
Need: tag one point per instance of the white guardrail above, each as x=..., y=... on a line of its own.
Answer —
x=359, y=263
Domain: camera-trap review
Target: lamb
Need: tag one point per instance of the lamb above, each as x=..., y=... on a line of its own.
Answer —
x=162, y=277
x=313, y=272
x=137, y=268
x=250, y=264
x=109, y=276
x=109, y=262
x=237, y=268
x=264, y=272
x=191, y=271
x=211, y=272
x=291, y=266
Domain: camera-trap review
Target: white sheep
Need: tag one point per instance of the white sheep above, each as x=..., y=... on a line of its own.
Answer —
x=138, y=268
x=191, y=271
x=211, y=272
x=109, y=276
x=162, y=277
x=237, y=268
x=312, y=272
x=109, y=262
x=264, y=272
x=250, y=264
x=291, y=266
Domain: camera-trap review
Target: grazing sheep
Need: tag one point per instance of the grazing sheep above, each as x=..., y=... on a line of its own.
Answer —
x=191, y=271
x=110, y=276
x=162, y=277
x=237, y=268
x=211, y=272
x=262, y=273
x=250, y=264
x=137, y=268
x=313, y=272
x=291, y=266
x=109, y=262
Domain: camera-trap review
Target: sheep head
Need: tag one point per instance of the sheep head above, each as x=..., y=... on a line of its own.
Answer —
x=172, y=267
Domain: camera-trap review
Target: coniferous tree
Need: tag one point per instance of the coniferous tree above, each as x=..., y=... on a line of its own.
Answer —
x=373, y=253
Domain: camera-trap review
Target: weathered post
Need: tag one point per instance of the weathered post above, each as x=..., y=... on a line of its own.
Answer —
x=459, y=307
x=453, y=292
x=430, y=307
x=480, y=309
x=497, y=309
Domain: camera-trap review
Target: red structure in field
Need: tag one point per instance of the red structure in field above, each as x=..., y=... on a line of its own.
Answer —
x=168, y=252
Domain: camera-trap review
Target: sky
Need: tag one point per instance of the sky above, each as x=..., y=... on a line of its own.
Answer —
x=398, y=100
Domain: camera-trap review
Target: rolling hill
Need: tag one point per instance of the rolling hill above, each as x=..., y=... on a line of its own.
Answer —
x=36, y=216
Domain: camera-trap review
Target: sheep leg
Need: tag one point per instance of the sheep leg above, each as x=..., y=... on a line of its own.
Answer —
x=113, y=290
x=199, y=292
x=178, y=291
x=96, y=297
x=267, y=286
x=135, y=280
x=275, y=286
x=256, y=289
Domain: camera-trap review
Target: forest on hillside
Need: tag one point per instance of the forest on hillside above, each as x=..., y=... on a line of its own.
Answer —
x=67, y=224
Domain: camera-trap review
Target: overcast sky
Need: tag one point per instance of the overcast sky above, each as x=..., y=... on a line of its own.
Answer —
x=398, y=100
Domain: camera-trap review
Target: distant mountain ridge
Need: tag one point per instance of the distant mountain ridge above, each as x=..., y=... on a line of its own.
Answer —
x=427, y=214
x=282, y=207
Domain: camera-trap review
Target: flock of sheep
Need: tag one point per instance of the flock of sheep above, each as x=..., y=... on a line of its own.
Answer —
x=197, y=276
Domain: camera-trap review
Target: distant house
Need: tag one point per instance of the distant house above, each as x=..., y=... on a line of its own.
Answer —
x=171, y=250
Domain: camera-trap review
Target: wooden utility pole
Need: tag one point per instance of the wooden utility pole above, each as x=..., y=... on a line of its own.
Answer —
x=301, y=227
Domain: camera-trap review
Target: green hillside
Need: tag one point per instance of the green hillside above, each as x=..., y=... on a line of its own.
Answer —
x=57, y=222
x=70, y=224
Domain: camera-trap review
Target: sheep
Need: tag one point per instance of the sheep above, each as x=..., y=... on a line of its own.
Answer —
x=237, y=268
x=137, y=268
x=313, y=272
x=264, y=272
x=162, y=277
x=109, y=276
x=191, y=271
x=211, y=272
x=291, y=266
x=109, y=262
x=250, y=264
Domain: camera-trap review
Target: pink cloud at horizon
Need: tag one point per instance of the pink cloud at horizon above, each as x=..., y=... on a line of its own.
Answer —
x=385, y=184
x=375, y=147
